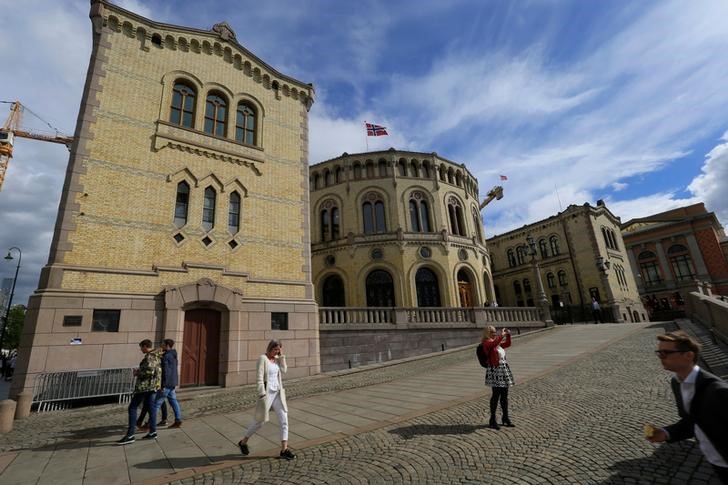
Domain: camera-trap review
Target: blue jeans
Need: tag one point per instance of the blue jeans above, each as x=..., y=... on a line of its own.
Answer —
x=171, y=396
x=136, y=400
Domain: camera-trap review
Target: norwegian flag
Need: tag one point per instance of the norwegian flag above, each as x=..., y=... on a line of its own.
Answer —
x=503, y=177
x=376, y=130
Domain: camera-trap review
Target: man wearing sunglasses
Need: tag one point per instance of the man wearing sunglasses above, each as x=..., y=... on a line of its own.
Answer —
x=702, y=401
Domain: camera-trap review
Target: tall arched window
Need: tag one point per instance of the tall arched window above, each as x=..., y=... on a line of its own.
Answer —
x=182, y=203
x=478, y=224
x=521, y=254
x=329, y=221
x=182, y=111
x=339, y=175
x=426, y=169
x=526, y=285
x=682, y=264
x=328, y=178
x=245, y=124
x=402, y=167
x=215, y=115
x=357, y=171
x=234, y=213
x=333, y=294
x=517, y=287
x=380, y=289
x=208, y=208
x=414, y=169
x=563, y=281
x=554, y=242
x=382, y=168
x=649, y=269
x=511, y=258
x=550, y=280
x=373, y=214
x=455, y=213
x=543, y=248
x=428, y=290
x=419, y=212
x=370, y=170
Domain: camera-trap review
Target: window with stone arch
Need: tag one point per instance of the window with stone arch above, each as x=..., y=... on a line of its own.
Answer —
x=329, y=221
x=182, y=109
x=208, y=208
x=234, y=213
x=402, y=167
x=550, y=280
x=380, y=289
x=649, y=269
x=357, y=171
x=216, y=114
x=478, y=224
x=428, y=289
x=182, y=204
x=517, y=287
x=521, y=254
x=373, y=214
x=682, y=264
x=455, y=213
x=511, y=258
x=543, y=248
x=426, y=172
x=563, y=281
x=382, y=168
x=419, y=212
x=333, y=292
x=414, y=169
x=245, y=123
x=554, y=243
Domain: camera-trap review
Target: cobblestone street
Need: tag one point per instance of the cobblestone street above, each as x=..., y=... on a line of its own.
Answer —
x=583, y=394
x=580, y=424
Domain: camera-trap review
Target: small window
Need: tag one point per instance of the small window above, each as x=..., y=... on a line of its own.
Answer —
x=215, y=115
x=234, y=213
x=72, y=320
x=182, y=111
x=181, y=204
x=245, y=124
x=105, y=321
x=278, y=321
x=208, y=209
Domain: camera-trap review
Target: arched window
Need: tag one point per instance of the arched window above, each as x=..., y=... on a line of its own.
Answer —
x=428, y=290
x=511, y=258
x=339, y=175
x=562, y=278
x=543, y=248
x=550, y=280
x=373, y=214
x=208, y=208
x=357, y=171
x=329, y=221
x=182, y=111
x=414, y=169
x=245, y=124
x=215, y=115
x=517, y=287
x=455, y=213
x=333, y=294
x=441, y=169
x=234, y=213
x=648, y=268
x=181, y=204
x=682, y=264
x=451, y=176
x=382, y=168
x=316, y=182
x=419, y=212
x=554, y=242
x=478, y=224
x=402, y=166
x=426, y=170
x=526, y=285
x=328, y=178
x=521, y=254
x=380, y=289
x=370, y=170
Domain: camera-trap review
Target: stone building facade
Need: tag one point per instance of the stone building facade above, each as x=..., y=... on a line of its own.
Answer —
x=397, y=229
x=671, y=250
x=184, y=213
x=568, y=249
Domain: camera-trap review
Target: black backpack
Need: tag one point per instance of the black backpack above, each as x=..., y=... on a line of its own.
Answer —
x=482, y=356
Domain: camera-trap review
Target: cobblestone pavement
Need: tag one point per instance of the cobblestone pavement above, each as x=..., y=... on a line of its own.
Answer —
x=53, y=427
x=581, y=424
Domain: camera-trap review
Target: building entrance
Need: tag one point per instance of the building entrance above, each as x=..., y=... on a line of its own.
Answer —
x=200, y=349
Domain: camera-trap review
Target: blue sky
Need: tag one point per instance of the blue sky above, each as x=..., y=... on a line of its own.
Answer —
x=622, y=101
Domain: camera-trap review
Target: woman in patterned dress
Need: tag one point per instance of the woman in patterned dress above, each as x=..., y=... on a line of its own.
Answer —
x=498, y=374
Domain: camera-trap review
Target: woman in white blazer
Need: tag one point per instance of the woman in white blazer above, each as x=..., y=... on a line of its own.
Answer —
x=270, y=369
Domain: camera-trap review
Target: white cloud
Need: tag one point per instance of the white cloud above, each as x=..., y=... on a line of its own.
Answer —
x=711, y=186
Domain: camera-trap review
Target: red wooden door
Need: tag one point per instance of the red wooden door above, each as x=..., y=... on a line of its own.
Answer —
x=200, y=348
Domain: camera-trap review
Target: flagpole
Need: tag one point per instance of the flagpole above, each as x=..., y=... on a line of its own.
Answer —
x=366, y=136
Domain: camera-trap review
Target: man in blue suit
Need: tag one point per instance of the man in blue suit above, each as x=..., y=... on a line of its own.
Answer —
x=702, y=401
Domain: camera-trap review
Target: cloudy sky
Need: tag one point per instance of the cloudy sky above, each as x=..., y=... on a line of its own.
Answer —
x=572, y=100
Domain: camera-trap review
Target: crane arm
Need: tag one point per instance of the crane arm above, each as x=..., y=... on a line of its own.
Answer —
x=62, y=139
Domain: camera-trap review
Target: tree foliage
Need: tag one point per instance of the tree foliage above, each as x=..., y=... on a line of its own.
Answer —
x=14, y=327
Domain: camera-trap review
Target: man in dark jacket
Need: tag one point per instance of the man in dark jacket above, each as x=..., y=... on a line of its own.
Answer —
x=170, y=380
x=702, y=401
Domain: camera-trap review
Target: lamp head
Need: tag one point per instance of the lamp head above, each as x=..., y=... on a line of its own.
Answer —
x=9, y=256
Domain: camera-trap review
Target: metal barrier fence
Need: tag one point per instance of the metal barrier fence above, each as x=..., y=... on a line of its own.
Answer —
x=56, y=390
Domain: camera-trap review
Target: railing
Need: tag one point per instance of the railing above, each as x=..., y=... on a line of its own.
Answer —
x=478, y=316
x=56, y=390
x=710, y=311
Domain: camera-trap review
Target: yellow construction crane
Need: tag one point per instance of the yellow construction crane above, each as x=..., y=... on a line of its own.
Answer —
x=11, y=129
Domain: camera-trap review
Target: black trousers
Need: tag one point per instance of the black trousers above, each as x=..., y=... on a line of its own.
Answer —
x=499, y=394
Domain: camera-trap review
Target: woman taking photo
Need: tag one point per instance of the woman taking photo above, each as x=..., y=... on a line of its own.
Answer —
x=498, y=374
x=271, y=366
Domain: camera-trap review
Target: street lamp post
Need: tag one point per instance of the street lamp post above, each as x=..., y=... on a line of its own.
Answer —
x=603, y=267
x=12, y=292
x=543, y=301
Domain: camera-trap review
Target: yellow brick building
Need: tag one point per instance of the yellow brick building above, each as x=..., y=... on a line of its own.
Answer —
x=397, y=229
x=581, y=255
x=184, y=213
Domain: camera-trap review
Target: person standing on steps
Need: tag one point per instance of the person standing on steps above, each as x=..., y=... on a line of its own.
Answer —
x=596, y=310
x=498, y=374
x=270, y=369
